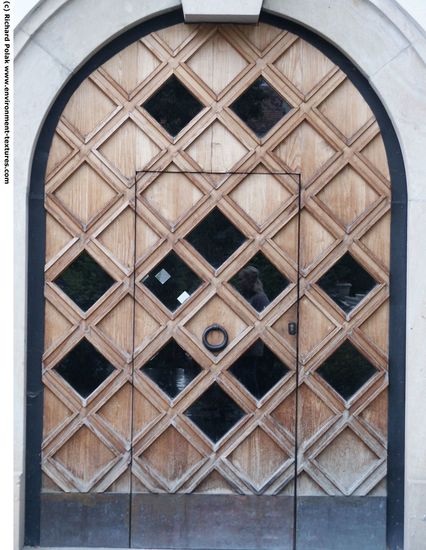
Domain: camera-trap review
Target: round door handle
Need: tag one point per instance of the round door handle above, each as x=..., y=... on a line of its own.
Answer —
x=215, y=347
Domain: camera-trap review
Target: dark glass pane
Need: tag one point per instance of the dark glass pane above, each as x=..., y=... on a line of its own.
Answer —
x=84, y=281
x=214, y=412
x=172, y=369
x=172, y=281
x=347, y=283
x=84, y=368
x=346, y=370
x=259, y=281
x=215, y=238
x=260, y=107
x=258, y=369
x=173, y=106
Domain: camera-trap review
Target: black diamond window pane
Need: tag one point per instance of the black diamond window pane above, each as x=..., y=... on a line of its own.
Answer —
x=214, y=412
x=173, y=106
x=259, y=281
x=258, y=369
x=172, y=369
x=347, y=283
x=84, y=368
x=172, y=281
x=215, y=238
x=346, y=370
x=84, y=281
x=260, y=107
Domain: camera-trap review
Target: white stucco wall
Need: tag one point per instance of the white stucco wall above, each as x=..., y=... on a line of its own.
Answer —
x=385, y=39
x=21, y=10
x=414, y=8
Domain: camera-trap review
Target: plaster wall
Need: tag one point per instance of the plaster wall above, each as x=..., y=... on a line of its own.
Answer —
x=387, y=45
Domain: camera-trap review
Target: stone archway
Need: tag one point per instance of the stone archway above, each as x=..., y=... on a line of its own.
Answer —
x=381, y=71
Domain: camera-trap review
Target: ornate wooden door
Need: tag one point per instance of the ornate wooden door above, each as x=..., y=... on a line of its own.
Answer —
x=214, y=186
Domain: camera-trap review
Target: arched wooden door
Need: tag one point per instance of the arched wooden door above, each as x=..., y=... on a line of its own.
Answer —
x=228, y=178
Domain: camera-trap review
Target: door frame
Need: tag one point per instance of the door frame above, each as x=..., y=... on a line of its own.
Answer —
x=36, y=254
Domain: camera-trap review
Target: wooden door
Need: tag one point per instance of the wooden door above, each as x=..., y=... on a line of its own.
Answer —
x=213, y=175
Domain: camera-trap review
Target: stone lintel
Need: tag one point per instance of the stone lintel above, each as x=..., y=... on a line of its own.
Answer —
x=221, y=11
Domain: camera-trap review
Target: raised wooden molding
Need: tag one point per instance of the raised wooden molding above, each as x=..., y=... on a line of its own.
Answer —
x=127, y=225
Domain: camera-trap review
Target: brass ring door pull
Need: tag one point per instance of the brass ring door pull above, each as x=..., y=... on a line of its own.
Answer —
x=215, y=347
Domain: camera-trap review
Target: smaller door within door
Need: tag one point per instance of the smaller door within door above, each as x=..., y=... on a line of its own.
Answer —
x=213, y=384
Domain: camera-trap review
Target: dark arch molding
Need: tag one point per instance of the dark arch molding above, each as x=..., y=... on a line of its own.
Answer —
x=36, y=255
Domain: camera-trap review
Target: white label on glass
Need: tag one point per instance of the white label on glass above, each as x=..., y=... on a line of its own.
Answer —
x=163, y=276
x=183, y=297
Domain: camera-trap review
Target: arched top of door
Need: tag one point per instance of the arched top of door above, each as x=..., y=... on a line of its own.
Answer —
x=399, y=37
x=394, y=152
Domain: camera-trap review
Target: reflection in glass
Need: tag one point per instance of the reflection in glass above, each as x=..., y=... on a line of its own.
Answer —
x=84, y=281
x=84, y=368
x=259, y=281
x=347, y=283
x=172, y=281
x=260, y=107
x=215, y=238
x=214, y=412
x=258, y=369
x=346, y=370
x=173, y=106
x=172, y=369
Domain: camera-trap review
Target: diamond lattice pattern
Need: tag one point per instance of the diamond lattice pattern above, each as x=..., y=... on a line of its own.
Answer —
x=85, y=193
x=216, y=99
x=346, y=370
x=204, y=63
x=258, y=457
x=129, y=148
x=355, y=459
x=171, y=456
x=84, y=368
x=216, y=149
x=84, y=281
x=86, y=120
x=261, y=107
x=172, y=184
x=348, y=195
x=162, y=106
x=214, y=413
x=260, y=196
x=84, y=455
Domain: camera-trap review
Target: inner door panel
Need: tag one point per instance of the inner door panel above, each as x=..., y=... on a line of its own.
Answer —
x=219, y=444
